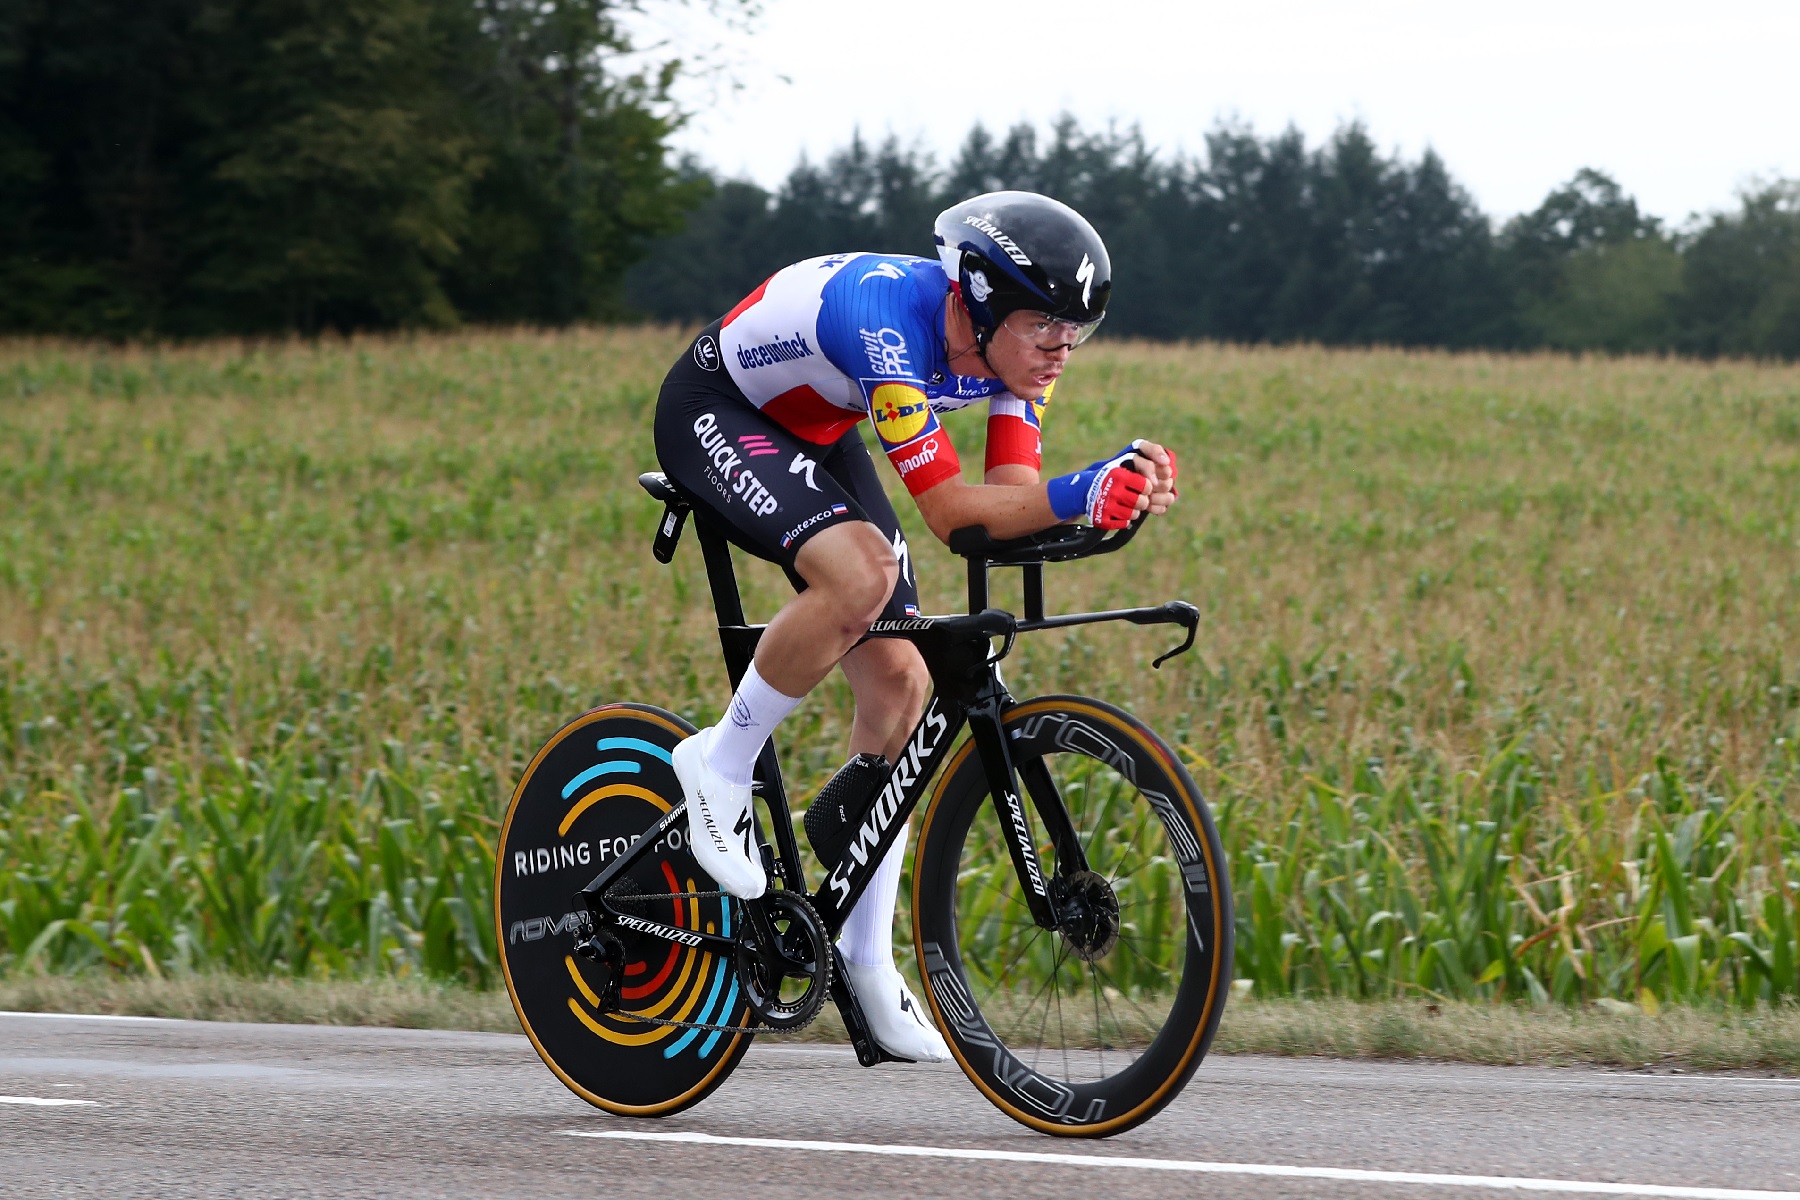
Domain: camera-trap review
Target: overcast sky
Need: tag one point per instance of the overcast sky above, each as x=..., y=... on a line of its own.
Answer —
x=1682, y=103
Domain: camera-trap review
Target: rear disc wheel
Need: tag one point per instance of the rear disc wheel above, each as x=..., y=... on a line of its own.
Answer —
x=602, y=781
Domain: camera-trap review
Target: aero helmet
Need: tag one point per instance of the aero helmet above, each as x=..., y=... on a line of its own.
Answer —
x=1019, y=250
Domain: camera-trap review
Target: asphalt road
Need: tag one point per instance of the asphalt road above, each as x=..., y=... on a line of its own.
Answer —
x=128, y=1108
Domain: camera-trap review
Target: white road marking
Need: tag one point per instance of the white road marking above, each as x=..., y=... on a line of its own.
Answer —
x=42, y=1101
x=49, y=1016
x=1491, y=1182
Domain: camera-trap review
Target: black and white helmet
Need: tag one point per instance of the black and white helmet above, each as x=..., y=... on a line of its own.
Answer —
x=1019, y=250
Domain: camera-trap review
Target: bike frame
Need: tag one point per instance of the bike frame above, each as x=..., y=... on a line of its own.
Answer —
x=967, y=691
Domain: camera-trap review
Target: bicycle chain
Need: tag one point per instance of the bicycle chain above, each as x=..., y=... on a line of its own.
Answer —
x=626, y=1014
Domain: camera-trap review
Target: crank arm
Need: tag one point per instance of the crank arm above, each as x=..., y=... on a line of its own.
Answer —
x=764, y=941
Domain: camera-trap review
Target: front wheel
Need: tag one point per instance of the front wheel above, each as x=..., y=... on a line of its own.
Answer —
x=1088, y=1029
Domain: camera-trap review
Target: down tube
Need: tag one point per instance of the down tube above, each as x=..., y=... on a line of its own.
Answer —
x=925, y=752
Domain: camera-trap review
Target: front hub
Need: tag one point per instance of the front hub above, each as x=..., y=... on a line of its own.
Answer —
x=1087, y=910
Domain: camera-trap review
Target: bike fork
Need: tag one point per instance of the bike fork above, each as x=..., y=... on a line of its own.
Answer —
x=1003, y=778
x=1015, y=827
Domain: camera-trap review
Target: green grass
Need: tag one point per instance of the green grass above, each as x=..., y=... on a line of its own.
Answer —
x=1687, y=1038
x=1495, y=694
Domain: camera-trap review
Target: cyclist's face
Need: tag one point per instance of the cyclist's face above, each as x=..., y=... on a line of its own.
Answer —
x=1029, y=350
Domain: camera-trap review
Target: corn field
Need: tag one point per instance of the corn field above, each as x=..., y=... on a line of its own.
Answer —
x=1495, y=694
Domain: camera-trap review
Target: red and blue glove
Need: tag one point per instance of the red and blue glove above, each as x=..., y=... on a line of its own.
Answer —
x=1106, y=492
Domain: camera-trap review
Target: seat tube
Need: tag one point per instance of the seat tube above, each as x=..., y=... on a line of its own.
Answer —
x=1015, y=821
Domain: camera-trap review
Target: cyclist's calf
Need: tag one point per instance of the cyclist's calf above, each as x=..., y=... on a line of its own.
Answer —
x=890, y=683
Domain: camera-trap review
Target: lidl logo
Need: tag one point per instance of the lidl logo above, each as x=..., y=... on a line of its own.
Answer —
x=900, y=412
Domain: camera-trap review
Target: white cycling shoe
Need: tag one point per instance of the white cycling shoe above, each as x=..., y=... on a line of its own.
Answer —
x=719, y=822
x=896, y=1018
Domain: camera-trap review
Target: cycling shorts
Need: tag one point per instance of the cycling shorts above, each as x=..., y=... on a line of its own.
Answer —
x=768, y=491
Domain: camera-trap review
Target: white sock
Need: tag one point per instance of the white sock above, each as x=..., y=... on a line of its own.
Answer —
x=868, y=936
x=754, y=711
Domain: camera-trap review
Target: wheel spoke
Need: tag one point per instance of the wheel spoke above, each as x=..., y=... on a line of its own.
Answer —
x=1152, y=1021
x=1130, y=849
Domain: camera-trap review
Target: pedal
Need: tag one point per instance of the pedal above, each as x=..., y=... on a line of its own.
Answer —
x=868, y=1052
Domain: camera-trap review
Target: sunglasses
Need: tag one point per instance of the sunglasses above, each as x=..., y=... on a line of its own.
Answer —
x=1047, y=333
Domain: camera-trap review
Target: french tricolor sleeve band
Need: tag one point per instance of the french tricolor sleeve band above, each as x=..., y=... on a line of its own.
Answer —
x=1013, y=441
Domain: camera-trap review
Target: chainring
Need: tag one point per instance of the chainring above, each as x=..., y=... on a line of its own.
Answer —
x=786, y=996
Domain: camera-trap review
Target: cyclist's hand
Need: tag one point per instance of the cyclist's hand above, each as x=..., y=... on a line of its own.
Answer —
x=1158, y=463
x=1118, y=494
x=1109, y=493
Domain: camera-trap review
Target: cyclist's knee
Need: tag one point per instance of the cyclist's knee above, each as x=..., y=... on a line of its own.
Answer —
x=854, y=567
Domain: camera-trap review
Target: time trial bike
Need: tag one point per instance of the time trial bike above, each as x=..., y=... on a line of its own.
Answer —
x=1071, y=910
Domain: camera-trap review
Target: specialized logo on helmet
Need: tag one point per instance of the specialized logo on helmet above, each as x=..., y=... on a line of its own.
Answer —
x=1084, y=275
x=979, y=287
x=1000, y=239
x=900, y=412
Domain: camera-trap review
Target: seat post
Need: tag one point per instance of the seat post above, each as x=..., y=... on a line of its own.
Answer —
x=737, y=641
x=721, y=576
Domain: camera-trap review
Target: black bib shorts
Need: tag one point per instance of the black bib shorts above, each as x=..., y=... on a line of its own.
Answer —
x=765, y=489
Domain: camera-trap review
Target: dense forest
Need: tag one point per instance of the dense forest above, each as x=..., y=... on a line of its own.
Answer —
x=202, y=166
x=186, y=167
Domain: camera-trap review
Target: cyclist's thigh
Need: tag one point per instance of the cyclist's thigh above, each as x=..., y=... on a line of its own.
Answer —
x=757, y=482
x=849, y=463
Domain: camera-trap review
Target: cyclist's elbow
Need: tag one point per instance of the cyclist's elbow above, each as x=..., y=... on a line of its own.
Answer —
x=946, y=508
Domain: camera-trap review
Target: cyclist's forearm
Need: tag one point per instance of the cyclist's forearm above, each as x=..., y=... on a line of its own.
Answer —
x=1006, y=510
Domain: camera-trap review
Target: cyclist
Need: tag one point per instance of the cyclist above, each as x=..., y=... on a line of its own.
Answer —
x=758, y=422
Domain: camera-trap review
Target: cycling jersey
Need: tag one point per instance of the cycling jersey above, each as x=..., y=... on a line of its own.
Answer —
x=828, y=341
x=764, y=487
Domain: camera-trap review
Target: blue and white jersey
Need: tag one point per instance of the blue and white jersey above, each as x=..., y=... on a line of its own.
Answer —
x=828, y=341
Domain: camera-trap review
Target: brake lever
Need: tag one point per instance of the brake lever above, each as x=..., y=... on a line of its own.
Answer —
x=1188, y=617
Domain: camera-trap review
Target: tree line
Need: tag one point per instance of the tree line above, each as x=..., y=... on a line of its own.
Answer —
x=175, y=167
x=1261, y=238
x=188, y=167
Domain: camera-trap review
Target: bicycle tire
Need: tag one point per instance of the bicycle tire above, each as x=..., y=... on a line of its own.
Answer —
x=603, y=779
x=1155, y=995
